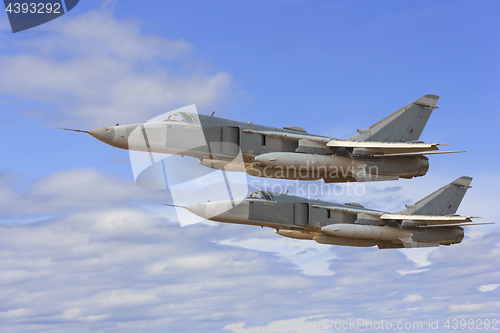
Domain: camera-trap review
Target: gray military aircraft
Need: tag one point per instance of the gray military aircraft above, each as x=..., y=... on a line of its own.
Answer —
x=429, y=222
x=387, y=150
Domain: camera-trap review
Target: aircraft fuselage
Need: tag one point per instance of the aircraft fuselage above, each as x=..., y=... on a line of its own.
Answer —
x=287, y=153
x=324, y=222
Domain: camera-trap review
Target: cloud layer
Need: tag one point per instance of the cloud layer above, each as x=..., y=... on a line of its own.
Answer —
x=96, y=70
x=120, y=267
x=82, y=250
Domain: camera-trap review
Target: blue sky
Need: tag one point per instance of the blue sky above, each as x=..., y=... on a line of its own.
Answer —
x=82, y=247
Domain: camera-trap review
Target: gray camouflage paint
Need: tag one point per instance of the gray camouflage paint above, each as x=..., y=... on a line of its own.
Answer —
x=302, y=218
x=218, y=139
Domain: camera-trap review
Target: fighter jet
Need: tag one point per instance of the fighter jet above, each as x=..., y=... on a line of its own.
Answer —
x=429, y=222
x=387, y=150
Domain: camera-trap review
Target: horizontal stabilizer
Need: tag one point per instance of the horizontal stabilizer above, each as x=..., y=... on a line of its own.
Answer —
x=428, y=219
x=459, y=224
x=373, y=178
x=385, y=147
x=423, y=153
x=382, y=145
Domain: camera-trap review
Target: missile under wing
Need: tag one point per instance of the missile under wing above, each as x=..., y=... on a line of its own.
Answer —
x=429, y=222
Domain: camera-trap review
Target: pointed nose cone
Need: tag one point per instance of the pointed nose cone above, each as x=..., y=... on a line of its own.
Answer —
x=215, y=210
x=104, y=134
x=199, y=209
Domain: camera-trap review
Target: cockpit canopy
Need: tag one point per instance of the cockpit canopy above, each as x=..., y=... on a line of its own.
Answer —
x=262, y=195
x=181, y=117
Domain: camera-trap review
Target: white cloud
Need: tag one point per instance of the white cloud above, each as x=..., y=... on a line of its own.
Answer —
x=316, y=323
x=413, y=298
x=488, y=287
x=97, y=258
x=310, y=257
x=466, y=307
x=96, y=70
x=418, y=256
x=106, y=263
x=411, y=271
x=69, y=190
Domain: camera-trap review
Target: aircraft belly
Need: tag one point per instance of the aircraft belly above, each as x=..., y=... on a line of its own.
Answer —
x=307, y=161
x=332, y=240
x=281, y=173
x=241, y=220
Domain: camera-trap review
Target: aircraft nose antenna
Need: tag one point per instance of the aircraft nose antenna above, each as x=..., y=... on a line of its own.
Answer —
x=104, y=134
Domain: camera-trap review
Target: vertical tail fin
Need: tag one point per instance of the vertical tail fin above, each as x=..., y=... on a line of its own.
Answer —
x=444, y=201
x=406, y=124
